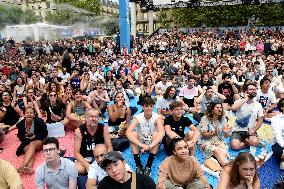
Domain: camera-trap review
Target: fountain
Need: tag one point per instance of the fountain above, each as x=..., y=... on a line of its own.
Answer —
x=42, y=31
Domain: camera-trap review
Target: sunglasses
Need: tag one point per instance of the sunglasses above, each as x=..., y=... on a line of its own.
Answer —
x=51, y=95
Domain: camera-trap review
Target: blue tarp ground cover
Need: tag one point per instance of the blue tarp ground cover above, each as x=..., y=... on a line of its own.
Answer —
x=269, y=172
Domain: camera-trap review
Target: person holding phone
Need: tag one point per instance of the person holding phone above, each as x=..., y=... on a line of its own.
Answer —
x=249, y=114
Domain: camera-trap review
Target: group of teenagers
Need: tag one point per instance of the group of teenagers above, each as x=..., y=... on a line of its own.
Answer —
x=85, y=87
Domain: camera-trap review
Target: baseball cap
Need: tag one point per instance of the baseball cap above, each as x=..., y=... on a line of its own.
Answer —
x=112, y=156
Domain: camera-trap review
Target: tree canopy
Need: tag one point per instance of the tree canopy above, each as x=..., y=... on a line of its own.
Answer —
x=12, y=14
x=224, y=16
x=93, y=6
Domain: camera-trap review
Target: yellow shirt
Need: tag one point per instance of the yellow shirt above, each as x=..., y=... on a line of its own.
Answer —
x=9, y=177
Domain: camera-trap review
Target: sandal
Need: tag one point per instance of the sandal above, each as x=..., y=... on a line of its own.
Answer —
x=20, y=170
x=28, y=170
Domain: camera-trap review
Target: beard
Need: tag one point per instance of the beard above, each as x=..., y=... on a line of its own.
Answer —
x=252, y=95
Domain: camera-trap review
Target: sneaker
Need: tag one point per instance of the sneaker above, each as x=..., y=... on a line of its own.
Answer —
x=282, y=165
x=147, y=171
x=139, y=170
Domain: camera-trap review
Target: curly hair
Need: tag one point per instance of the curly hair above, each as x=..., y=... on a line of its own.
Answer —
x=243, y=157
x=210, y=110
x=167, y=92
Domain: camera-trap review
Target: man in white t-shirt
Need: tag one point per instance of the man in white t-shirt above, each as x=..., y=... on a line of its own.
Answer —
x=146, y=132
x=188, y=94
x=161, y=86
x=96, y=172
x=266, y=97
x=94, y=74
x=64, y=75
x=250, y=116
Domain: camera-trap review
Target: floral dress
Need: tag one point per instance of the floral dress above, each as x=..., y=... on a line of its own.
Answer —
x=210, y=144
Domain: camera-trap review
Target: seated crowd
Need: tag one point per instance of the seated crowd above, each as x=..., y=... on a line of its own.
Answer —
x=89, y=88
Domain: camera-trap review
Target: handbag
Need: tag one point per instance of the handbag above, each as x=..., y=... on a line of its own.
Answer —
x=120, y=143
x=243, y=122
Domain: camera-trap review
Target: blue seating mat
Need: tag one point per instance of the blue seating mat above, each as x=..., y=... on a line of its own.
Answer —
x=269, y=172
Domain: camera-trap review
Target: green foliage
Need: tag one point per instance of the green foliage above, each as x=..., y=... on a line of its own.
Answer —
x=12, y=14
x=29, y=17
x=89, y=5
x=164, y=19
x=59, y=17
x=238, y=15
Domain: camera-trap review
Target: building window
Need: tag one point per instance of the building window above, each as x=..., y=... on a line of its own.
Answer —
x=47, y=5
x=146, y=28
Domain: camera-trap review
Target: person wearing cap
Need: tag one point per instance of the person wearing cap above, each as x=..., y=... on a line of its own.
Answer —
x=96, y=172
x=87, y=136
x=55, y=172
x=146, y=132
x=118, y=177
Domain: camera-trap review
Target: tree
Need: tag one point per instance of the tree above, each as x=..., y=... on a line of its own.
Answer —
x=164, y=18
x=12, y=14
x=225, y=16
x=93, y=6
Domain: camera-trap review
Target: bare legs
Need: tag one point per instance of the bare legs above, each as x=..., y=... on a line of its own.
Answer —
x=29, y=157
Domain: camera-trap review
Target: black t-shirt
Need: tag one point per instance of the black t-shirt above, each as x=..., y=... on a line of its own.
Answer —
x=57, y=109
x=178, y=126
x=11, y=117
x=142, y=182
x=226, y=89
x=51, y=79
x=202, y=84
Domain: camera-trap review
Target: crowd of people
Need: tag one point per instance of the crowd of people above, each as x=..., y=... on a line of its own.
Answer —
x=94, y=89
